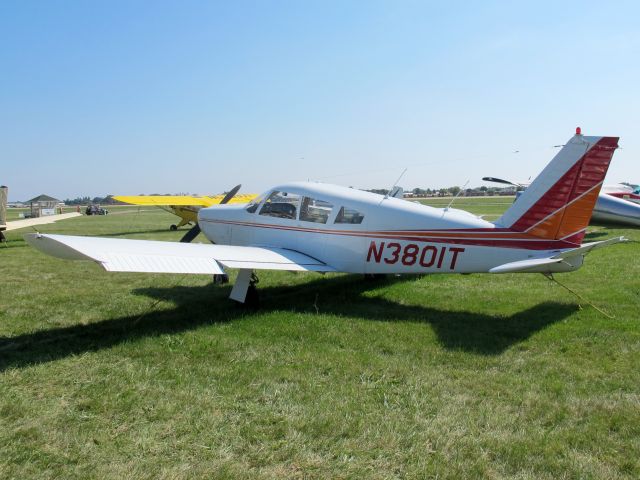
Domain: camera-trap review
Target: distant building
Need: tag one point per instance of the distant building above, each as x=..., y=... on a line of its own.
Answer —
x=43, y=205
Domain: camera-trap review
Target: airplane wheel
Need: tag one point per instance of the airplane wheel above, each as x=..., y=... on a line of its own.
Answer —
x=173, y=228
x=220, y=279
x=252, y=300
x=372, y=277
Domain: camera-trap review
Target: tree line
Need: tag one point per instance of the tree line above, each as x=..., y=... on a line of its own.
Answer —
x=453, y=191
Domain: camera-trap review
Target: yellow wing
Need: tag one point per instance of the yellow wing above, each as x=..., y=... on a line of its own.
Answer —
x=185, y=200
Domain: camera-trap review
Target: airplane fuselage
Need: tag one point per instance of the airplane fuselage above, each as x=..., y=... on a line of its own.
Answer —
x=391, y=235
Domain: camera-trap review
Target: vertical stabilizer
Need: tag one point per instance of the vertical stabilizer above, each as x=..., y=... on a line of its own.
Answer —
x=559, y=202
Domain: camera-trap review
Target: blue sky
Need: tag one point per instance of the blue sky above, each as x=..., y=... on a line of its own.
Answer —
x=139, y=97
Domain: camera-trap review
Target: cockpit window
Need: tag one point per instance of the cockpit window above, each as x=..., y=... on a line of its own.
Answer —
x=314, y=210
x=281, y=205
x=254, y=204
x=349, y=215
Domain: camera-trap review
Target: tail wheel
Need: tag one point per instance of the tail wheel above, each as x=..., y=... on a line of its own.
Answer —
x=173, y=228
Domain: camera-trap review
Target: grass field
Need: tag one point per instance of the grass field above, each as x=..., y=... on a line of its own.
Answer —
x=160, y=376
x=14, y=213
x=489, y=207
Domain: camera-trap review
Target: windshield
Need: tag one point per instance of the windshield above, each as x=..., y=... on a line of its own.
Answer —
x=253, y=205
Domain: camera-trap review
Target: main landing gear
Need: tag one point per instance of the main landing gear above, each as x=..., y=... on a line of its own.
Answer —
x=374, y=277
x=182, y=223
x=244, y=291
x=220, y=279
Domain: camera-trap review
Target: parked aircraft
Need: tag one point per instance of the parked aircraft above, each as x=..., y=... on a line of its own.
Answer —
x=626, y=191
x=327, y=228
x=184, y=206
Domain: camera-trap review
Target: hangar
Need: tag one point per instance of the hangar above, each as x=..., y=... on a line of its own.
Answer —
x=43, y=205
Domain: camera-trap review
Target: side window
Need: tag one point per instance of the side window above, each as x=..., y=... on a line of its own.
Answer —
x=281, y=205
x=349, y=215
x=314, y=210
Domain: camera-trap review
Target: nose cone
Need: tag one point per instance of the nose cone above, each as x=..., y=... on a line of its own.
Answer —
x=219, y=212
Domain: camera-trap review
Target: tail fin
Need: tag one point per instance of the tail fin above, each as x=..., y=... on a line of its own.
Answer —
x=559, y=202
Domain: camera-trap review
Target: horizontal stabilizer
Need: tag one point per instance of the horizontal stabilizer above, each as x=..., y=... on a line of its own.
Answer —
x=587, y=247
x=125, y=255
x=570, y=259
x=531, y=265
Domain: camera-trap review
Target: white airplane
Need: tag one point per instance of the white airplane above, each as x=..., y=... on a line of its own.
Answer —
x=326, y=228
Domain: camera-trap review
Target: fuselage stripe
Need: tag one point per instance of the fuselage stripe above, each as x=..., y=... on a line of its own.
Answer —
x=518, y=239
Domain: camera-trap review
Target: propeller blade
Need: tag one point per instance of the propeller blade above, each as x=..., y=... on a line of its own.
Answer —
x=230, y=194
x=500, y=180
x=191, y=234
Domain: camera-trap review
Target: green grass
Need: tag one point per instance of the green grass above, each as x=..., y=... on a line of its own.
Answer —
x=14, y=213
x=160, y=376
x=489, y=207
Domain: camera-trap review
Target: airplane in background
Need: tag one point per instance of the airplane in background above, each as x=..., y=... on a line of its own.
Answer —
x=625, y=191
x=325, y=228
x=186, y=206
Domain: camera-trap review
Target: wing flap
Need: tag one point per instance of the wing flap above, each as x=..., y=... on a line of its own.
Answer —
x=120, y=262
x=126, y=255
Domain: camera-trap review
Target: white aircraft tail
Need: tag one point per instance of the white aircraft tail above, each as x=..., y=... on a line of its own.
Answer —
x=559, y=202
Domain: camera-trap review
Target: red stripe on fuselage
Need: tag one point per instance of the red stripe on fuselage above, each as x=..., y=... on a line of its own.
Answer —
x=517, y=240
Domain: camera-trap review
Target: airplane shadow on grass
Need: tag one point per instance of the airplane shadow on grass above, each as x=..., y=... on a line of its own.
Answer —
x=472, y=332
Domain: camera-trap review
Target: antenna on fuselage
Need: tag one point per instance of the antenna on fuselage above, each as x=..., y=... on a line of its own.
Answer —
x=454, y=198
x=395, y=184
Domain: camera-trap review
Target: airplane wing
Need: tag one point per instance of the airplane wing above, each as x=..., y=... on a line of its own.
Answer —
x=183, y=200
x=126, y=255
x=540, y=264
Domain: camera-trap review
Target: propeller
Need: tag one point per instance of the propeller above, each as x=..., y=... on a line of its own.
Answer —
x=231, y=194
x=193, y=232
x=500, y=180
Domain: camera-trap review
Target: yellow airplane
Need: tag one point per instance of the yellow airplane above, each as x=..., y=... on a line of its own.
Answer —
x=186, y=206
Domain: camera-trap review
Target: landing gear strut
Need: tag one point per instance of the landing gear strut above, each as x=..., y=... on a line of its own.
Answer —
x=253, y=298
x=244, y=291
